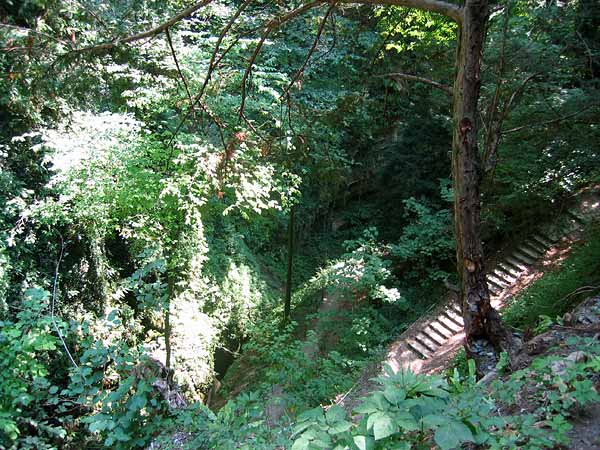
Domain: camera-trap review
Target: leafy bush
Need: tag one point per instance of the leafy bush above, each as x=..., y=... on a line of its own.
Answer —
x=426, y=246
x=114, y=382
x=362, y=273
x=414, y=411
x=30, y=405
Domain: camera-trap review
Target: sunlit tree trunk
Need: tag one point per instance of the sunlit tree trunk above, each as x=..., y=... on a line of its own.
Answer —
x=167, y=322
x=481, y=320
x=290, y=268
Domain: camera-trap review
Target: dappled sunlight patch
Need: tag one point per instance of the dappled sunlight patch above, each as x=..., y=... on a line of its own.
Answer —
x=85, y=137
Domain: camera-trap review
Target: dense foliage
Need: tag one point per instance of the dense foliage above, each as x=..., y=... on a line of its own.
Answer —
x=146, y=187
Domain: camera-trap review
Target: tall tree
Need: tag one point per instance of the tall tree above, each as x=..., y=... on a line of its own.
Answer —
x=481, y=320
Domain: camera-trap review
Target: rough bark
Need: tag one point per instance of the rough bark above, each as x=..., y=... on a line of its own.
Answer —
x=481, y=320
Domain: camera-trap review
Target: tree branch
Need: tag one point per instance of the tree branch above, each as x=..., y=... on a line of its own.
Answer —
x=211, y=67
x=436, y=6
x=448, y=90
x=37, y=33
x=153, y=32
x=249, y=67
x=204, y=108
x=175, y=60
x=547, y=122
x=271, y=25
x=494, y=133
x=300, y=71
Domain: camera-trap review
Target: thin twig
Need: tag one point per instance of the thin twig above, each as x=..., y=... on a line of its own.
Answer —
x=204, y=108
x=38, y=33
x=268, y=28
x=213, y=63
x=174, y=55
x=448, y=90
x=547, y=122
x=580, y=290
x=149, y=34
x=53, y=304
x=249, y=67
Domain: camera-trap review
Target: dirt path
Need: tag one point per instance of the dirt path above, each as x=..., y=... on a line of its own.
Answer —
x=331, y=303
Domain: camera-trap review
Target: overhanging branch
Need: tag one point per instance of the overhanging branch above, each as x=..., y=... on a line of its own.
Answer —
x=269, y=26
x=300, y=71
x=107, y=46
x=406, y=76
x=546, y=122
x=436, y=6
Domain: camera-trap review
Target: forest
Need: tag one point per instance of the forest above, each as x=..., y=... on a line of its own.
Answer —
x=326, y=224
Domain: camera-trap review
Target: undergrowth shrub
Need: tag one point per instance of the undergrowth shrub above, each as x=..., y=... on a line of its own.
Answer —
x=415, y=411
x=30, y=406
x=425, y=249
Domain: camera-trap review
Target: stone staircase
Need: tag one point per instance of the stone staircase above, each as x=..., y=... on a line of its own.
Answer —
x=431, y=342
x=428, y=335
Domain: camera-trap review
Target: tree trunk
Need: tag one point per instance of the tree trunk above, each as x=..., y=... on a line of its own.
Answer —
x=167, y=324
x=290, y=267
x=481, y=320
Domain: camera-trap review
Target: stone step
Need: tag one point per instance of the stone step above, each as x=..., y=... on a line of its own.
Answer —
x=495, y=281
x=441, y=330
x=543, y=244
x=501, y=277
x=456, y=318
x=448, y=324
x=417, y=349
x=493, y=287
x=535, y=246
x=520, y=256
x=517, y=266
x=512, y=272
x=426, y=342
x=503, y=274
x=542, y=240
x=550, y=236
x=531, y=253
x=434, y=335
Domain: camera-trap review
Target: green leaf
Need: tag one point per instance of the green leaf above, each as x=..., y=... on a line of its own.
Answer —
x=314, y=414
x=364, y=442
x=406, y=421
x=404, y=445
x=452, y=434
x=301, y=444
x=367, y=407
x=382, y=425
x=434, y=420
x=335, y=413
x=340, y=427
x=299, y=428
x=394, y=395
